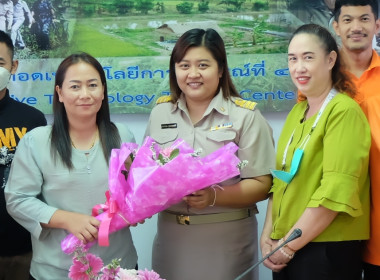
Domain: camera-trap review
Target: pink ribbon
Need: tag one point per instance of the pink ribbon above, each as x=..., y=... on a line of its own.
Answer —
x=111, y=208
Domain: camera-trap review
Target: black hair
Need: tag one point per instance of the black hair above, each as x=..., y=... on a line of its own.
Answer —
x=60, y=138
x=339, y=3
x=339, y=76
x=4, y=38
x=211, y=40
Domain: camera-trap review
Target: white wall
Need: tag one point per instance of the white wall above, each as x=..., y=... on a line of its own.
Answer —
x=143, y=234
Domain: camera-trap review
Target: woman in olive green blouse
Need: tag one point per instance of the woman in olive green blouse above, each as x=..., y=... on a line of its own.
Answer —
x=321, y=184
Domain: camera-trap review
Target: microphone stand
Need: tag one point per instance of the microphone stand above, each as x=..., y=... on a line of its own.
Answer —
x=295, y=234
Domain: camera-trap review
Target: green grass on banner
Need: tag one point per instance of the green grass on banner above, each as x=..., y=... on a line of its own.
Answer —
x=99, y=44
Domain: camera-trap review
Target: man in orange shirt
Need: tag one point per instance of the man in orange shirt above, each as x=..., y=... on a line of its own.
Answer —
x=356, y=22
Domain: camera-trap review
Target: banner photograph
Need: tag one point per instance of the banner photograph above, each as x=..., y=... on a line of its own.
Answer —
x=133, y=41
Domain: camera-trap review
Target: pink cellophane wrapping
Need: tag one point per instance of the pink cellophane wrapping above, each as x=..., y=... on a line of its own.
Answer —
x=152, y=187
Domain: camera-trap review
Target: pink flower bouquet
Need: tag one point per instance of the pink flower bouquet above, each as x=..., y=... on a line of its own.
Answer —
x=87, y=266
x=156, y=179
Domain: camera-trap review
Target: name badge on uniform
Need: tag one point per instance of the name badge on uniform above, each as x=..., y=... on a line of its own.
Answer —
x=221, y=126
x=168, y=125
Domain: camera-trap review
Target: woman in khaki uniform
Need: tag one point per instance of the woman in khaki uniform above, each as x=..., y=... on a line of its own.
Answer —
x=211, y=234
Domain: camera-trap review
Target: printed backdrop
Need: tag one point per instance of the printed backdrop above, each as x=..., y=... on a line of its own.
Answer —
x=133, y=41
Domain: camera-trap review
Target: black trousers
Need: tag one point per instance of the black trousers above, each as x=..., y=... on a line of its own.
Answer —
x=325, y=261
x=371, y=272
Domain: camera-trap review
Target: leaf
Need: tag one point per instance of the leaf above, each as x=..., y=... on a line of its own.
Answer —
x=128, y=162
x=161, y=158
x=174, y=153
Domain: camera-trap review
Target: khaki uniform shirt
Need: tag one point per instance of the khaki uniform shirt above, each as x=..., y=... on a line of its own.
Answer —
x=224, y=121
x=221, y=250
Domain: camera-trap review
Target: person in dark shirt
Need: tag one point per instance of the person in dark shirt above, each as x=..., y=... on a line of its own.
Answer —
x=43, y=14
x=16, y=119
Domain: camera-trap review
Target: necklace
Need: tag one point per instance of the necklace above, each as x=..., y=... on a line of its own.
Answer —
x=329, y=97
x=93, y=140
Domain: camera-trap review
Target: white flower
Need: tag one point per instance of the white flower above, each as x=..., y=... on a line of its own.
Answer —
x=127, y=274
x=197, y=152
x=242, y=164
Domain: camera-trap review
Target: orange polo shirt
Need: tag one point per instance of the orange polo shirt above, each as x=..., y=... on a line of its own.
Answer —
x=368, y=97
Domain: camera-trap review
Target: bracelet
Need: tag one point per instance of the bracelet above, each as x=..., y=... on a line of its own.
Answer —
x=287, y=245
x=213, y=187
x=290, y=248
x=289, y=256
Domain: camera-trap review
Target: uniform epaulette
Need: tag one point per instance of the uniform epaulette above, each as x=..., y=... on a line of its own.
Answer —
x=164, y=99
x=245, y=104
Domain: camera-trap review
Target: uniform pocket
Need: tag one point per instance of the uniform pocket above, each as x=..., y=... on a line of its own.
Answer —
x=167, y=137
x=222, y=136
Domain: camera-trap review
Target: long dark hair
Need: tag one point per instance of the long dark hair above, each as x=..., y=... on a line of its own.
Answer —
x=60, y=139
x=211, y=40
x=340, y=79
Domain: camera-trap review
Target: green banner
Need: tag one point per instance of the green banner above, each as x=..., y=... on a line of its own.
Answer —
x=133, y=41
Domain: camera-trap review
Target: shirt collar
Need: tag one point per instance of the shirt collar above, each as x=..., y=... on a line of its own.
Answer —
x=218, y=103
x=375, y=61
x=180, y=104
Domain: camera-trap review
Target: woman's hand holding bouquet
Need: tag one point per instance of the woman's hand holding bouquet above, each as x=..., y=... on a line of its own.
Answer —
x=144, y=181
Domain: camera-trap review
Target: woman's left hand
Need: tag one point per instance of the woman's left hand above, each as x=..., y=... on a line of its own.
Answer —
x=267, y=247
x=200, y=199
x=279, y=258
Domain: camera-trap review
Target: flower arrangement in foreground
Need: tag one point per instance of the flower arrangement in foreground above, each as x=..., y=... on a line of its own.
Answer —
x=87, y=266
x=144, y=181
